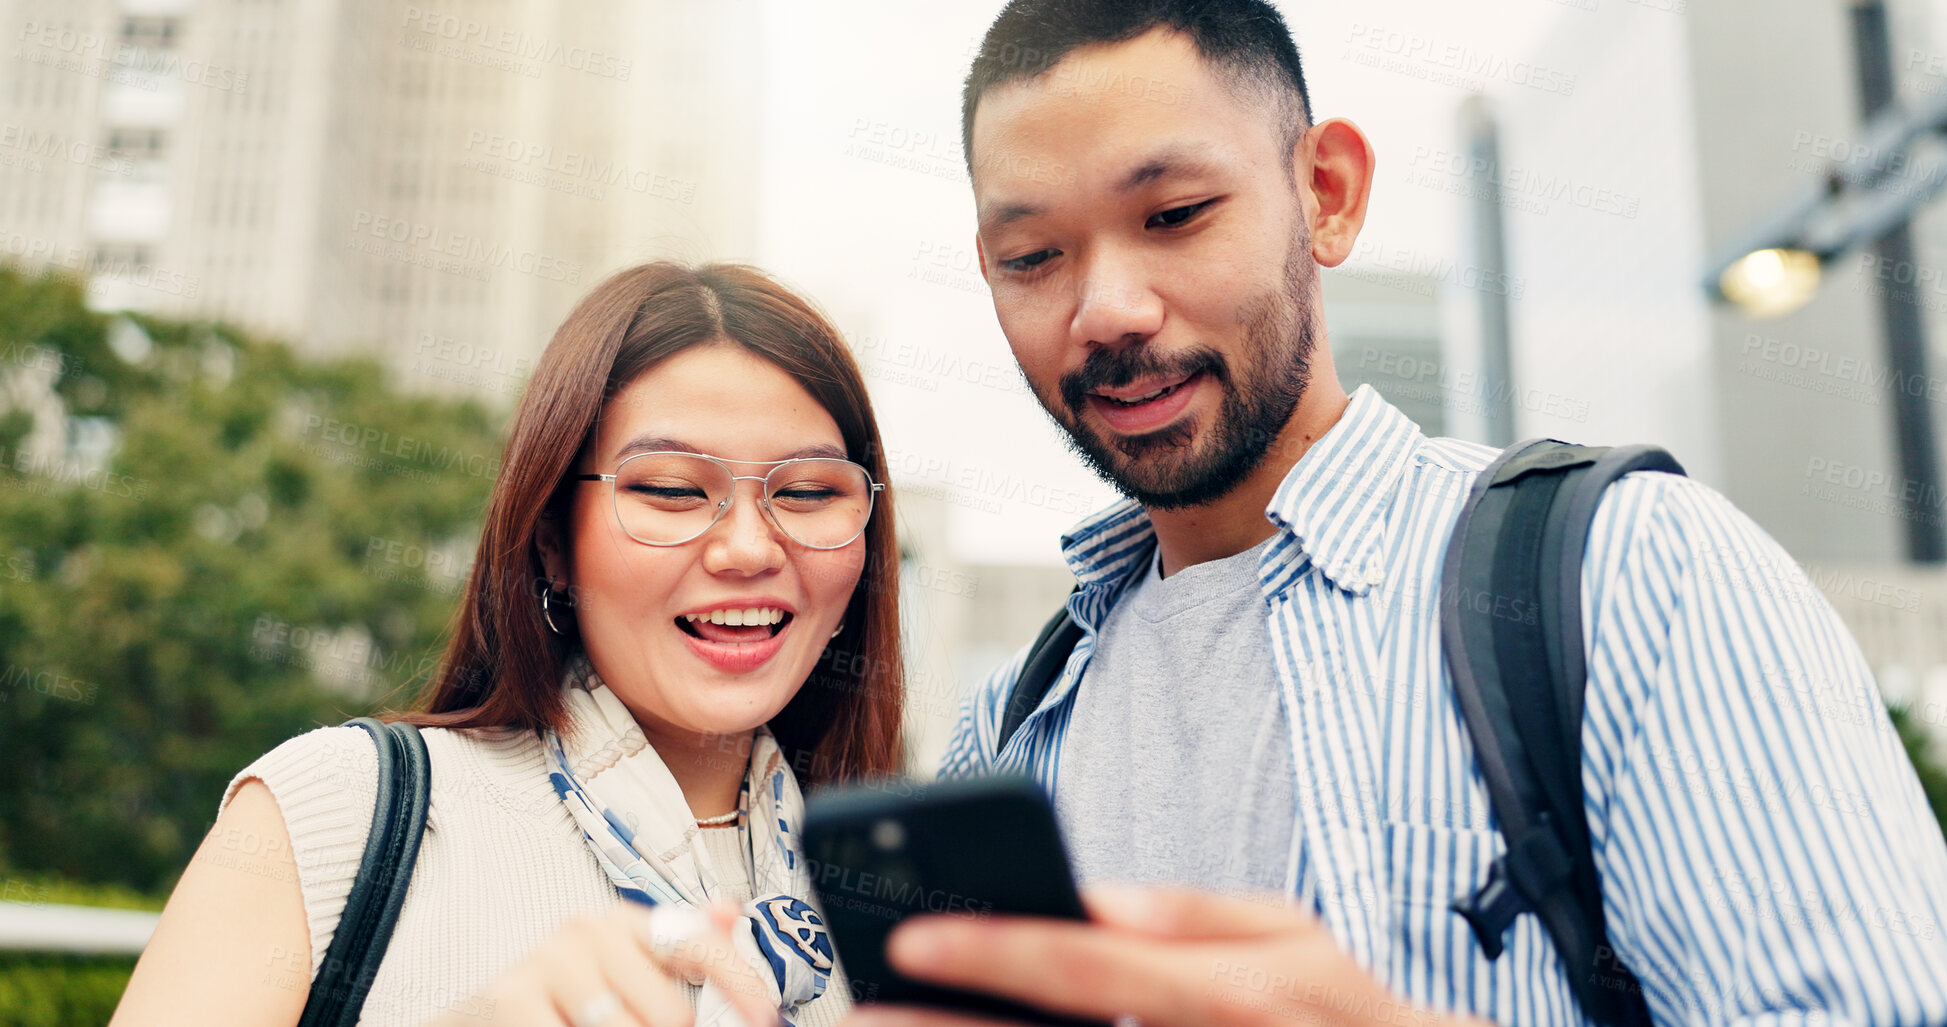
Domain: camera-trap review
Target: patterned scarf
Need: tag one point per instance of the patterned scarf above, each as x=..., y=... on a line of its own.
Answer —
x=643, y=834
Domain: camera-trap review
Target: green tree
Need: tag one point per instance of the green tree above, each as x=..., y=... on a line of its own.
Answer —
x=210, y=545
x=1920, y=749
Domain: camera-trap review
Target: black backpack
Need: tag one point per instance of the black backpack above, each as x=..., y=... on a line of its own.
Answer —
x=1519, y=681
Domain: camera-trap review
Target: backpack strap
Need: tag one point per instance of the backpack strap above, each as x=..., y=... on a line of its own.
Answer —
x=1046, y=658
x=1511, y=631
x=372, y=907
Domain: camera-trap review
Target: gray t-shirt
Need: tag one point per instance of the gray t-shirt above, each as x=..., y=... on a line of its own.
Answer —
x=1176, y=766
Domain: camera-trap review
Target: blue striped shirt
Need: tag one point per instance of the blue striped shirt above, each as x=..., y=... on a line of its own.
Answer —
x=1765, y=850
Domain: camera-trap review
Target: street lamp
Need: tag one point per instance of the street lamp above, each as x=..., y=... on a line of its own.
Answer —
x=1862, y=200
x=1894, y=170
x=1771, y=282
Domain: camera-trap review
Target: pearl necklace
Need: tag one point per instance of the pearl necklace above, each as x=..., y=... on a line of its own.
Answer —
x=743, y=798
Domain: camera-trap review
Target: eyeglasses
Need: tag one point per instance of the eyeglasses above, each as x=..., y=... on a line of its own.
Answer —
x=669, y=498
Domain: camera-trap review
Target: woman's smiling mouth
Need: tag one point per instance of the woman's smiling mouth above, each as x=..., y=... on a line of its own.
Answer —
x=736, y=638
x=733, y=625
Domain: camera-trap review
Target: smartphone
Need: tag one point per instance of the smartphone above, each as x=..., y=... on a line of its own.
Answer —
x=971, y=847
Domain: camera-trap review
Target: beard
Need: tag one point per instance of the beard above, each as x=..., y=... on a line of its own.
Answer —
x=1178, y=466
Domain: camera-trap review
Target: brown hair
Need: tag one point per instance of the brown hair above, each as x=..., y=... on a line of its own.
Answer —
x=503, y=667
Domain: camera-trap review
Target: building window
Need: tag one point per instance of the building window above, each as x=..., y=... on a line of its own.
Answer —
x=137, y=144
x=150, y=33
x=111, y=258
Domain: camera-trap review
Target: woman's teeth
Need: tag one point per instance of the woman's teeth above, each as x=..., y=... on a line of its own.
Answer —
x=735, y=626
x=737, y=618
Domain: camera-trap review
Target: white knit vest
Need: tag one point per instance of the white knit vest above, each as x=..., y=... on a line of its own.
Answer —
x=501, y=866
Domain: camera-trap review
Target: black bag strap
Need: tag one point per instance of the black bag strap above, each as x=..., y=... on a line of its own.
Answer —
x=1511, y=631
x=372, y=907
x=1046, y=657
x=1045, y=660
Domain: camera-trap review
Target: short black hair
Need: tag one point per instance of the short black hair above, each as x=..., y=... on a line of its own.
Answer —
x=1247, y=39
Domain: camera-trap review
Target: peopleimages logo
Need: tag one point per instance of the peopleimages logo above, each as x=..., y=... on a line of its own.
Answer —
x=1490, y=395
x=56, y=146
x=1894, y=161
x=71, y=49
x=86, y=261
x=516, y=43
x=42, y=470
x=1519, y=182
x=351, y=435
x=477, y=254
x=576, y=167
x=52, y=684
x=1871, y=482
x=1812, y=362
x=863, y=889
x=1439, y=270
x=1434, y=59
x=931, y=366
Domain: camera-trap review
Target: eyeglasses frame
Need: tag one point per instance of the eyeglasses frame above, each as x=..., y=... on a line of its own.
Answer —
x=763, y=500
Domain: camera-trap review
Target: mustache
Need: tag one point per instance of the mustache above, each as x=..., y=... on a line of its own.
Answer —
x=1114, y=368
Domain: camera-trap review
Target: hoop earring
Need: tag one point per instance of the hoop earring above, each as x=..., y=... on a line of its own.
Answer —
x=547, y=589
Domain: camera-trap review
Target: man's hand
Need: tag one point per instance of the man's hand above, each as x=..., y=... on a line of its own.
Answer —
x=1168, y=957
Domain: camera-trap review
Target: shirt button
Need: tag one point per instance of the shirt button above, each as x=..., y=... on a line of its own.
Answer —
x=1375, y=575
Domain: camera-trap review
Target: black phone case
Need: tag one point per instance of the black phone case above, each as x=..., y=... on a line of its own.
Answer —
x=972, y=847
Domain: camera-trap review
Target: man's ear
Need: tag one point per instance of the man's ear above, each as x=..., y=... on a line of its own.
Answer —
x=554, y=552
x=980, y=252
x=1333, y=164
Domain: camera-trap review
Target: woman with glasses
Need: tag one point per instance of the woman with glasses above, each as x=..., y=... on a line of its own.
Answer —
x=683, y=609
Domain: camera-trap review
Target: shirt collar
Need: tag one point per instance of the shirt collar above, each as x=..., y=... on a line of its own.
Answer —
x=1106, y=546
x=1333, y=502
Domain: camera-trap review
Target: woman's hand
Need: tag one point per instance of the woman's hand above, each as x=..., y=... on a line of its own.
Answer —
x=623, y=969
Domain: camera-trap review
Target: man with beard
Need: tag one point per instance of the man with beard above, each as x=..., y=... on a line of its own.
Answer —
x=1258, y=703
